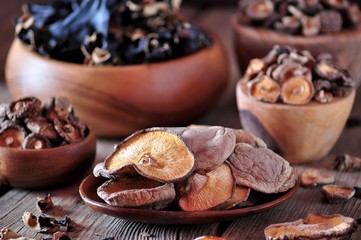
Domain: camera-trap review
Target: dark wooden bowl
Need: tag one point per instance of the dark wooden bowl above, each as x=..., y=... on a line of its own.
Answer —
x=48, y=167
x=116, y=101
x=345, y=46
x=301, y=133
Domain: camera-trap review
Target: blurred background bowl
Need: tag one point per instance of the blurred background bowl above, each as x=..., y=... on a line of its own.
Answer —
x=116, y=101
x=27, y=168
x=344, y=46
x=301, y=133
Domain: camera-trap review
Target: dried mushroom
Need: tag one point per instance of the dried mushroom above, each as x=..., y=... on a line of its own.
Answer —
x=306, y=18
x=255, y=66
x=313, y=177
x=60, y=236
x=155, y=153
x=261, y=169
x=315, y=226
x=43, y=204
x=40, y=223
x=240, y=195
x=347, y=163
x=137, y=191
x=337, y=193
x=209, y=238
x=297, y=90
x=8, y=234
x=209, y=191
x=264, y=88
x=28, y=124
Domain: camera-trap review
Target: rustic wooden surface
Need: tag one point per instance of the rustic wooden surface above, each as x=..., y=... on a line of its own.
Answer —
x=93, y=225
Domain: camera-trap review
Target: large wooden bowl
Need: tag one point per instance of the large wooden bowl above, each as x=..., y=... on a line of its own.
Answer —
x=116, y=101
x=25, y=168
x=299, y=133
x=345, y=46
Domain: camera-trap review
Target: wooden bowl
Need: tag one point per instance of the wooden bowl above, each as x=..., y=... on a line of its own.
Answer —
x=117, y=101
x=48, y=167
x=298, y=133
x=345, y=46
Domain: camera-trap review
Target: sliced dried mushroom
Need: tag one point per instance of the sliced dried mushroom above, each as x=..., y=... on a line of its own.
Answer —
x=137, y=191
x=254, y=67
x=211, y=145
x=12, y=136
x=297, y=91
x=326, y=70
x=347, y=163
x=209, y=191
x=264, y=88
x=289, y=70
x=311, y=26
x=313, y=177
x=261, y=169
x=243, y=136
x=24, y=107
x=156, y=153
x=55, y=108
x=60, y=236
x=315, y=226
x=42, y=126
x=337, y=193
x=35, y=141
x=8, y=234
x=43, y=204
x=240, y=195
x=40, y=223
x=67, y=130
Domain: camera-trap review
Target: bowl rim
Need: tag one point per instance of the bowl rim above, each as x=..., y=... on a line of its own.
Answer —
x=85, y=141
x=240, y=90
x=345, y=34
x=215, y=43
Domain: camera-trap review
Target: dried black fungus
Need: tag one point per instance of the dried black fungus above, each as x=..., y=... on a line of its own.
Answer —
x=45, y=224
x=100, y=32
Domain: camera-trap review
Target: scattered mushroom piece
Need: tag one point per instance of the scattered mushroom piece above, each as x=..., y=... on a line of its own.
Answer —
x=315, y=226
x=254, y=67
x=35, y=141
x=313, y=177
x=42, y=126
x=137, y=191
x=8, y=234
x=43, y=204
x=337, y=193
x=209, y=191
x=264, y=88
x=347, y=163
x=156, y=153
x=297, y=90
x=40, y=224
x=261, y=169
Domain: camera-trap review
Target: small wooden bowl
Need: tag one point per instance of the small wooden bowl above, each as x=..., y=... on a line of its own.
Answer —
x=48, y=167
x=299, y=133
x=117, y=101
x=345, y=46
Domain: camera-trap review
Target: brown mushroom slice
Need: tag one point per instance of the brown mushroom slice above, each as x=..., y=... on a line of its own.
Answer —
x=35, y=141
x=209, y=191
x=315, y=226
x=337, y=193
x=24, y=107
x=347, y=163
x=137, y=192
x=12, y=136
x=40, y=223
x=297, y=91
x=326, y=70
x=43, y=127
x=313, y=177
x=254, y=67
x=289, y=70
x=211, y=145
x=240, y=195
x=243, y=136
x=261, y=169
x=264, y=88
x=156, y=153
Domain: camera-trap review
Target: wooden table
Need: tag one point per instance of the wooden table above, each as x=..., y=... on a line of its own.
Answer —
x=94, y=225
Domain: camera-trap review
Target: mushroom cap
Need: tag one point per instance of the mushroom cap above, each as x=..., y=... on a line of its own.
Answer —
x=337, y=193
x=264, y=88
x=155, y=153
x=312, y=177
x=297, y=90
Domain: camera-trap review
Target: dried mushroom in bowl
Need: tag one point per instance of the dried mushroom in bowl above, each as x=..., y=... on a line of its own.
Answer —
x=107, y=32
x=296, y=77
x=191, y=169
x=302, y=17
x=27, y=123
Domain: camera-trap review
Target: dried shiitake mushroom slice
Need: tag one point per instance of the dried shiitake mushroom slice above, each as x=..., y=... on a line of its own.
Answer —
x=156, y=153
x=137, y=191
x=326, y=70
x=35, y=141
x=254, y=67
x=243, y=136
x=264, y=88
x=209, y=191
x=211, y=145
x=43, y=127
x=240, y=195
x=289, y=70
x=24, y=107
x=315, y=226
x=313, y=177
x=347, y=163
x=261, y=169
x=297, y=90
x=337, y=193
x=9, y=234
x=260, y=9
x=12, y=136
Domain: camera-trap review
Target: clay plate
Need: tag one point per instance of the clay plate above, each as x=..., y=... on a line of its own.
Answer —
x=88, y=193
